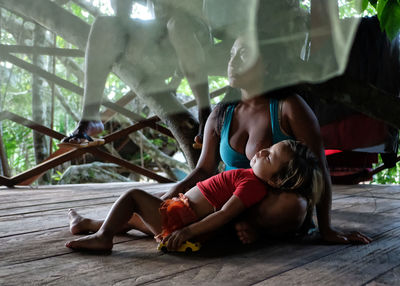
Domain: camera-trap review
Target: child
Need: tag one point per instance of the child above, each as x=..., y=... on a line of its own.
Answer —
x=287, y=165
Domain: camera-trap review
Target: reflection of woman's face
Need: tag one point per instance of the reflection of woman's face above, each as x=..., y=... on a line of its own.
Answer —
x=245, y=66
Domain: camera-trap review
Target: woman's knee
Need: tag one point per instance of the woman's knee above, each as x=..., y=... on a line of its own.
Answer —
x=105, y=22
x=180, y=25
x=108, y=28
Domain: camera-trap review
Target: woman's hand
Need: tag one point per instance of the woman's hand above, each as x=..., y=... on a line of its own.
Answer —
x=354, y=237
x=177, y=238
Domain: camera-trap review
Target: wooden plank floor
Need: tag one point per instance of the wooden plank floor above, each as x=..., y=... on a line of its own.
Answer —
x=34, y=228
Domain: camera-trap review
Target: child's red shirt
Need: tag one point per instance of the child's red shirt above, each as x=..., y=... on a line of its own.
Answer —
x=240, y=182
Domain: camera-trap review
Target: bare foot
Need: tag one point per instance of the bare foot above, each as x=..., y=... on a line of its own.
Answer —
x=84, y=127
x=246, y=232
x=91, y=242
x=77, y=223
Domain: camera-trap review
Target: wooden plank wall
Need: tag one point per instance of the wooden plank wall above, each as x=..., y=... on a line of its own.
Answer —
x=34, y=228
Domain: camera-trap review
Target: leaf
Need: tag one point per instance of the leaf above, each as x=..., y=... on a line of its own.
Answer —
x=390, y=19
x=364, y=5
x=379, y=9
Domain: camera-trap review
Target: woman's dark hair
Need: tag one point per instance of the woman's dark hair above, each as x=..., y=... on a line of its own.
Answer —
x=232, y=96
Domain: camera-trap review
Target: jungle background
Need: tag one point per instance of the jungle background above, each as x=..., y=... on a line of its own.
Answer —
x=31, y=96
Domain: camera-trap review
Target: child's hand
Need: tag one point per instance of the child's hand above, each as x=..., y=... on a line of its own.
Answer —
x=177, y=238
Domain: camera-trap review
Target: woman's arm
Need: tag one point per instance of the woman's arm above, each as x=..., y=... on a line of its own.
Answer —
x=300, y=121
x=232, y=208
x=208, y=161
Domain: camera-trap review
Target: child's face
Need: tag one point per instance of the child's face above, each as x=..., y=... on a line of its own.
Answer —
x=267, y=162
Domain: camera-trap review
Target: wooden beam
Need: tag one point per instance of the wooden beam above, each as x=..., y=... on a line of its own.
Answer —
x=135, y=127
x=31, y=124
x=138, y=118
x=380, y=168
x=213, y=94
x=41, y=72
x=109, y=113
x=108, y=157
x=74, y=88
x=18, y=49
x=47, y=165
x=5, y=181
x=119, y=109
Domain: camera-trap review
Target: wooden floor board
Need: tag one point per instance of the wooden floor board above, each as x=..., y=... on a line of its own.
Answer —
x=390, y=277
x=352, y=266
x=34, y=228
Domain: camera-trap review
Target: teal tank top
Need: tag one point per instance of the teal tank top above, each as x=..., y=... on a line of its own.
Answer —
x=236, y=160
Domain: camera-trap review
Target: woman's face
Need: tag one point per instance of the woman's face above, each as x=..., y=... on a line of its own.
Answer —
x=245, y=66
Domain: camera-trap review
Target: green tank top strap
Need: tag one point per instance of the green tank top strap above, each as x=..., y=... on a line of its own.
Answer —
x=277, y=134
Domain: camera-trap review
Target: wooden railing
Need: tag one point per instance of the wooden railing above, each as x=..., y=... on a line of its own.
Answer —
x=63, y=155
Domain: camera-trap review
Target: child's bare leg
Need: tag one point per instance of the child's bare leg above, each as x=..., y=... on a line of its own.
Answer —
x=136, y=223
x=134, y=201
x=82, y=225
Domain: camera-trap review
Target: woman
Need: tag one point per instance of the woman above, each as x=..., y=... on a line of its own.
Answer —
x=251, y=128
x=235, y=132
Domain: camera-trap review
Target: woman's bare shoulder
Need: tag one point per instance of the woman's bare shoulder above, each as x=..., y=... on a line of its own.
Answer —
x=294, y=105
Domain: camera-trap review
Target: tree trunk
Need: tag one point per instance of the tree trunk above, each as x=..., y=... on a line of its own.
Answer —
x=39, y=110
x=5, y=168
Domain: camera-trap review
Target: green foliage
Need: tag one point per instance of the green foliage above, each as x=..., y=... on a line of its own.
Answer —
x=389, y=17
x=364, y=5
x=78, y=11
x=57, y=176
x=388, y=176
x=388, y=12
x=115, y=88
x=158, y=142
x=214, y=83
x=355, y=8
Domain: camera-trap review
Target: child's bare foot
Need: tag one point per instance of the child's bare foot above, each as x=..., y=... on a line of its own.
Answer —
x=246, y=232
x=91, y=242
x=77, y=223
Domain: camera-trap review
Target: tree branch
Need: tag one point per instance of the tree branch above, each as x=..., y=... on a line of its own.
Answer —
x=18, y=49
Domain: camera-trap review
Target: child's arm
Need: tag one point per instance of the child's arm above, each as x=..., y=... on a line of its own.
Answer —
x=232, y=208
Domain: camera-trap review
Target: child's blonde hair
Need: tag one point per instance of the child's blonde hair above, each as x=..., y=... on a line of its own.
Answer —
x=302, y=174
